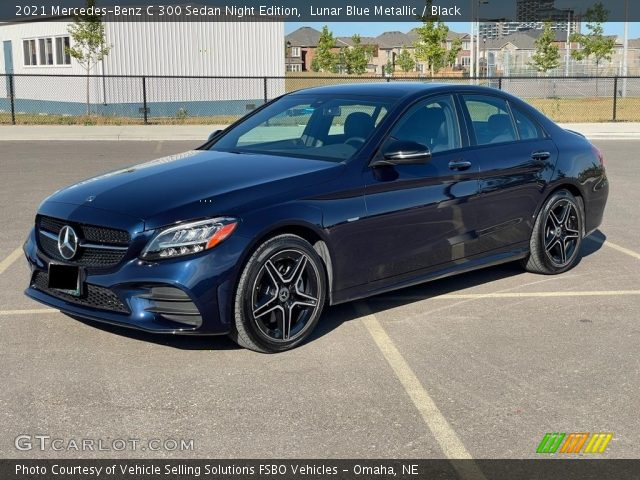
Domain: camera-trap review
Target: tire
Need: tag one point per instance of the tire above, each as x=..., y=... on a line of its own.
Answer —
x=557, y=235
x=280, y=295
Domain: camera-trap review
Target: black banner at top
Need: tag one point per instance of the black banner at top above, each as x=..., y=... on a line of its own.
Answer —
x=320, y=10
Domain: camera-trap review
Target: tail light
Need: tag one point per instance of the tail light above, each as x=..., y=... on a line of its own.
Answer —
x=598, y=153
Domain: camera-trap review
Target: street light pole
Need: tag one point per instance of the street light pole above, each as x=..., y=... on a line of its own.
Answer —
x=477, y=22
x=567, y=46
x=478, y=48
x=472, y=61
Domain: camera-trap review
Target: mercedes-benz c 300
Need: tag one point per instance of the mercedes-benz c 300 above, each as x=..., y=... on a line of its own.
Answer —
x=319, y=197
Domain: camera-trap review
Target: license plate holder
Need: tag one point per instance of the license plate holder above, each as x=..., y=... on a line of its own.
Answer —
x=66, y=278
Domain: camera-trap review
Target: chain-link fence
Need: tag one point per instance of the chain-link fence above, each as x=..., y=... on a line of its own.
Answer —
x=72, y=99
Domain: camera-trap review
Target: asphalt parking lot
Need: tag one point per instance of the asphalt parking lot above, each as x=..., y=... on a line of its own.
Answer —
x=480, y=365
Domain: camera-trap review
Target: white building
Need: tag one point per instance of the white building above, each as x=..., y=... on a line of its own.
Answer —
x=196, y=49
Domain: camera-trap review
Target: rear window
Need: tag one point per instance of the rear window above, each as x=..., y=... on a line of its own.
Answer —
x=490, y=118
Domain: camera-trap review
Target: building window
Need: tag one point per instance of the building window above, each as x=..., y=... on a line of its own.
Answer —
x=30, y=57
x=466, y=61
x=62, y=56
x=47, y=51
x=41, y=51
x=295, y=51
x=294, y=67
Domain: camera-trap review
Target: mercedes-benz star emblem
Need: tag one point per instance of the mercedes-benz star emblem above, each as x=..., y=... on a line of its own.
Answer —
x=67, y=242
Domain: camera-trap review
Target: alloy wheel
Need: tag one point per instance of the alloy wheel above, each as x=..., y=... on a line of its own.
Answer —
x=561, y=233
x=286, y=295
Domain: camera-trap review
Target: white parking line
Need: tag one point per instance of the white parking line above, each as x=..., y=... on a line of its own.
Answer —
x=480, y=296
x=13, y=256
x=27, y=312
x=445, y=435
x=631, y=253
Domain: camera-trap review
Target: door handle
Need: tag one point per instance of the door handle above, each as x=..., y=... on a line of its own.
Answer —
x=459, y=165
x=540, y=155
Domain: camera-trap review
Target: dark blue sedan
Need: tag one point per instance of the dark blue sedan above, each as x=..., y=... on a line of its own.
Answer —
x=319, y=197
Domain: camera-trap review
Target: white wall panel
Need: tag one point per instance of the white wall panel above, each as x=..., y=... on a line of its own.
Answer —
x=160, y=48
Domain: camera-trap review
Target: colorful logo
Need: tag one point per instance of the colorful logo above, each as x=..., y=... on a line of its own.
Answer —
x=573, y=442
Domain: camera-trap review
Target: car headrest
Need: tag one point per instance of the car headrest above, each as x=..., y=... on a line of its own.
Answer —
x=499, y=123
x=358, y=124
x=425, y=126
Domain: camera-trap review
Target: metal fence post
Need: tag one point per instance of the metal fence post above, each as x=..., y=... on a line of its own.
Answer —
x=266, y=95
x=144, y=100
x=499, y=83
x=12, y=97
x=615, y=98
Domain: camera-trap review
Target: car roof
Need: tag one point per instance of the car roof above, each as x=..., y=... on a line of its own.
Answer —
x=391, y=89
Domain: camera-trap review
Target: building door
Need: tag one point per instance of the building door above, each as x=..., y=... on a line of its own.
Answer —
x=8, y=61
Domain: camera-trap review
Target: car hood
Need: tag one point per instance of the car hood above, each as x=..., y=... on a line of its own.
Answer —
x=202, y=182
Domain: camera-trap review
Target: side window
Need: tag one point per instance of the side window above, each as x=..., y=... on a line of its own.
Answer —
x=528, y=128
x=287, y=125
x=432, y=123
x=357, y=120
x=490, y=119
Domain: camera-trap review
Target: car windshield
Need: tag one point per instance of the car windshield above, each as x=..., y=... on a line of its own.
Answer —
x=317, y=127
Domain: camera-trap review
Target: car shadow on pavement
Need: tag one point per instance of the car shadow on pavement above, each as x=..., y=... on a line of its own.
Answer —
x=183, y=342
x=424, y=291
x=335, y=316
x=593, y=243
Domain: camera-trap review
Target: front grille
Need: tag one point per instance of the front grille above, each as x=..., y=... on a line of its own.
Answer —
x=86, y=256
x=94, y=296
x=104, y=235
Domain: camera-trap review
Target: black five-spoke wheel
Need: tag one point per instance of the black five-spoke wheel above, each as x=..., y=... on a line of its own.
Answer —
x=557, y=235
x=280, y=295
x=561, y=232
x=285, y=295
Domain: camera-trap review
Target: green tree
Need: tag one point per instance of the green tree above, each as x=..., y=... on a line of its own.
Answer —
x=431, y=44
x=355, y=58
x=405, y=60
x=389, y=68
x=325, y=60
x=87, y=32
x=594, y=43
x=452, y=54
x=547, y=55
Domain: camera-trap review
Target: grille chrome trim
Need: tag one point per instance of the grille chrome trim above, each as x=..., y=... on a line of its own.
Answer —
x=47, y=233
x=99, y=247
x=84, y=244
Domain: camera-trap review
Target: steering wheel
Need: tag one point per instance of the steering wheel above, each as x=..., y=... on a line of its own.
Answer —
x=358, y=140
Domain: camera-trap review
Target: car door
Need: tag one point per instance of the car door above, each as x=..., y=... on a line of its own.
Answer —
x=421, y=215
x=514, y=156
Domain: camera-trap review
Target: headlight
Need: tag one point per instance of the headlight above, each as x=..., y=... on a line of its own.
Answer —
x=189, y=238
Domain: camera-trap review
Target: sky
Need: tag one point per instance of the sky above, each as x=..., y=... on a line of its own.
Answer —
x=373, y=29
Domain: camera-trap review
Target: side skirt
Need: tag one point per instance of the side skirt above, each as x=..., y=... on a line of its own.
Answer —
x=515, y=252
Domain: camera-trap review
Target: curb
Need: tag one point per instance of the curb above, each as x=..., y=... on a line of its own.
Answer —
x=199, y=133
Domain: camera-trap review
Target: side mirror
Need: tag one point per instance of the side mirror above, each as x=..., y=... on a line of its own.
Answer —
x=401, y=152
x=214, y=135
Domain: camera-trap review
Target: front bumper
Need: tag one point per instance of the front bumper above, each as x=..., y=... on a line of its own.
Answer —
x=188, y=295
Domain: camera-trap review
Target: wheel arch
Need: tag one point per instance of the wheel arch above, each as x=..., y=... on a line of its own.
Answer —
x=573, y=189
x=307, y=231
